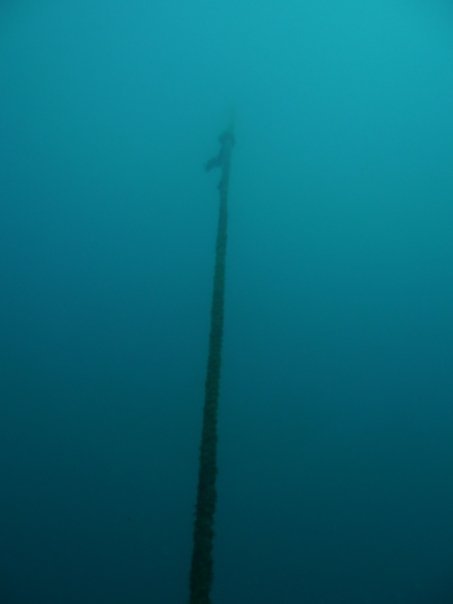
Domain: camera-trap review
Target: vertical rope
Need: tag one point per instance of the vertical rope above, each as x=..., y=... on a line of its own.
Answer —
x=201, y=574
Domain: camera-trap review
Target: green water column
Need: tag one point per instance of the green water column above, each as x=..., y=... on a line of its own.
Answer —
x=201, y=573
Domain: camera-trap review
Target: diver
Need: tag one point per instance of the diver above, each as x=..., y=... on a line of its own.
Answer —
x=226, y=140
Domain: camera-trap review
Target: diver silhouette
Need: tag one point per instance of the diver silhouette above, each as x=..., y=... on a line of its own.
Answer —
x=226, y=140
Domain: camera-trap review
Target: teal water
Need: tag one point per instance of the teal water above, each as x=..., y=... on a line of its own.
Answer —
x=336, y=420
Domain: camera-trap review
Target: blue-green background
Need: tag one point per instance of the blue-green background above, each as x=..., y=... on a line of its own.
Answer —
x=336, y=420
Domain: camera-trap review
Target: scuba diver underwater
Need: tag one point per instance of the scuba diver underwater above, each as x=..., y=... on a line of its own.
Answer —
x=226, y=140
